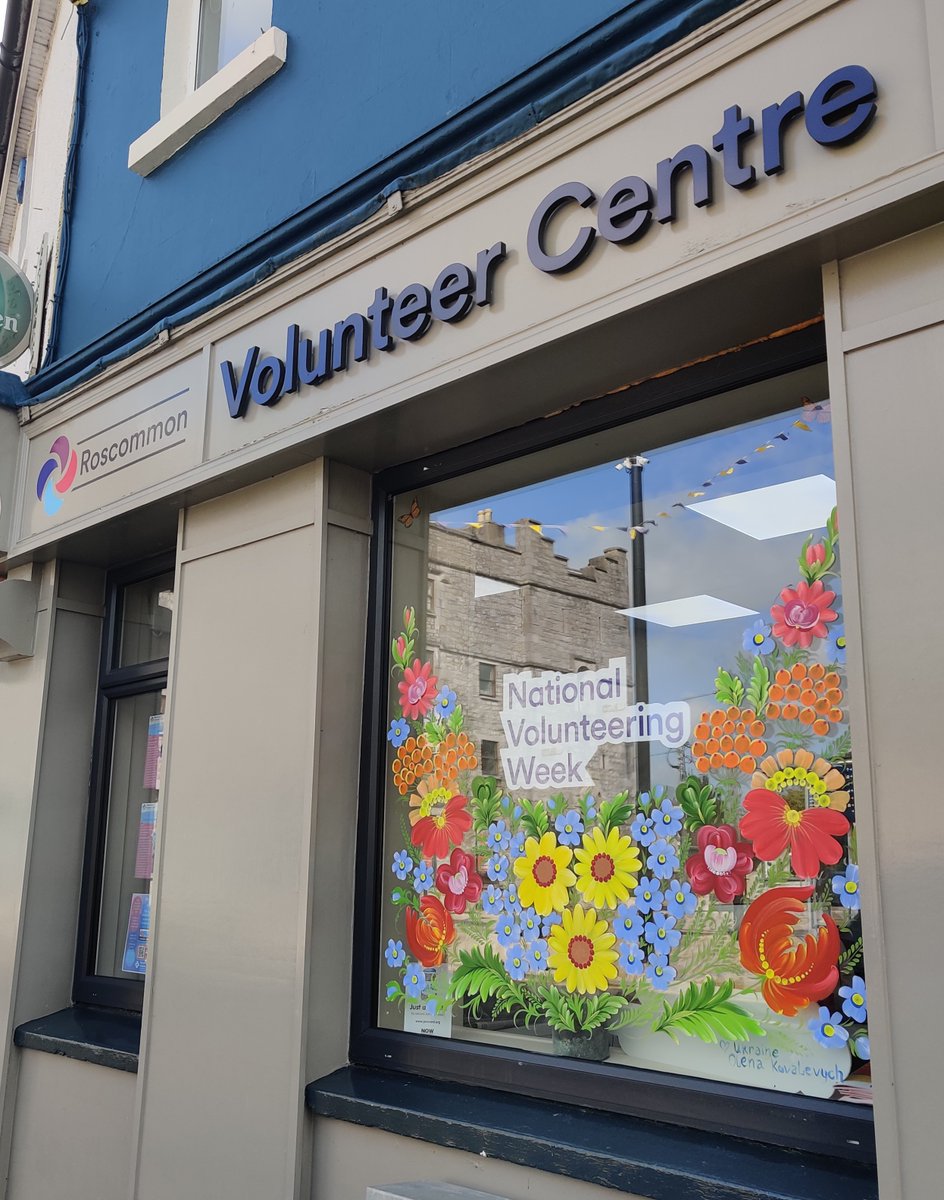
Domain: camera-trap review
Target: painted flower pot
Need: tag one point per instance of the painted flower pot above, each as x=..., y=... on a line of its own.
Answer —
x=593, y=1046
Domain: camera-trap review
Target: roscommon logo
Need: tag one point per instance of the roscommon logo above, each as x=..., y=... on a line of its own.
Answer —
x=62, y=462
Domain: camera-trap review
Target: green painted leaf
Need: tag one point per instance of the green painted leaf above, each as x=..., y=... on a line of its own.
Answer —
x=615, y=812
x=697, y=802
x=534, y=820
x=728, y=688
x=759, y=687
x=706, y=1011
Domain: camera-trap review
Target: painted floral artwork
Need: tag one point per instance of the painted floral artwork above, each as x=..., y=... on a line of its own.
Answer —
x=722, y=910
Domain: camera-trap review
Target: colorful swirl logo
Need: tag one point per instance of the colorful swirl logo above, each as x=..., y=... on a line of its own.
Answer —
x=62, y=458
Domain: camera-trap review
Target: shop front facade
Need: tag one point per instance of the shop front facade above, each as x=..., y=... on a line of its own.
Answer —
x=503, y=642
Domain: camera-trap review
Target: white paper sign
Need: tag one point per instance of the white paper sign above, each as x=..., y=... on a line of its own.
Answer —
x=555, y=722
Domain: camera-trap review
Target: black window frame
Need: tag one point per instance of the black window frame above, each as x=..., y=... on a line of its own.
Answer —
x=114, y=683
x=823, y=1127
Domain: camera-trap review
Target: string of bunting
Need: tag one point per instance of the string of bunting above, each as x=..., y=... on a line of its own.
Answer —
x=812, y=414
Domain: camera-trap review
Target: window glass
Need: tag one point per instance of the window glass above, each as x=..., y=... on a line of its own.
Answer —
x=227, y=27
x=643, y=848
x=133, y=794
x=146, y=610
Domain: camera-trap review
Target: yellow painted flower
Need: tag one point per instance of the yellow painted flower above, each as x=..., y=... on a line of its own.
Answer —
x=799, y=778
x=580, y=952
x=544, y=875
x=605, y=867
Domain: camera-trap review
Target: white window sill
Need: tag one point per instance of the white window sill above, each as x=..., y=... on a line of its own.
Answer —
x=202, y=107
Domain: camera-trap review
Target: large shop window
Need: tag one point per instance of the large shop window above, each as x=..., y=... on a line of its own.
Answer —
x=616, y=819
x=115, y=916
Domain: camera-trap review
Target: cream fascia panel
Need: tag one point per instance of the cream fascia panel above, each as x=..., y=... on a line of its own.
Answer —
x=186, y=109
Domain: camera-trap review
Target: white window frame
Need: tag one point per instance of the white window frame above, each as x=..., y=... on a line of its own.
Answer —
x=187, y=110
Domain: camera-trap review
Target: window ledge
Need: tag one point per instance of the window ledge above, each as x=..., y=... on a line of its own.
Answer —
x=202, y=107
x=640, y=1157
x=107, y=1037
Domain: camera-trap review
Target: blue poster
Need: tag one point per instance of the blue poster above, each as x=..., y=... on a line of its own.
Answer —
x=136, y=943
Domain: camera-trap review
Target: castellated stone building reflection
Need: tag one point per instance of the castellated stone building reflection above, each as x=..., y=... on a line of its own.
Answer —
x=501, y=599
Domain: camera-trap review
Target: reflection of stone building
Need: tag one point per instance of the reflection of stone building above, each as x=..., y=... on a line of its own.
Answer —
x=494, y=607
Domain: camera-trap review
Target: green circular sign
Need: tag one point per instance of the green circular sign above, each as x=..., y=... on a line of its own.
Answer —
x=16, y=311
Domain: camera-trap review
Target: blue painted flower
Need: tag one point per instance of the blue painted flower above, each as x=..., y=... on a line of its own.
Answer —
x=680, y=898
x=497, y=868
x=395, y=954
x=648, y=895
x=537, y=955
x=398, y=732
x=530, y=925
x=402, y=864
x=445, y=702
x=423, y=878
x=516, y=961
x=517, y=812
x=836, y=644
x=508, y=930
x=659, y=973
x=628, y=924
x=512, y=903
x=643, y=829
x=846, y=887
x=551, y=803
x=431, y=1007
x=569, y=828
x=661, y=933
x=667, y=819
x=662, y=860
x=854, y=1000
x=757, y=639
x=631, y=959
x=516, y=847
x=414, y=981
x=591, y=808
x=393, y=990
x=861, y=1047
x=493, y=900
x=498, y=836
x=827, y=1028
x=549, y=922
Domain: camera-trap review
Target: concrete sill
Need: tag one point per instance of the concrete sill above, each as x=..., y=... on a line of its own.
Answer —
x=202, y=107
x=643, y=1158
x=108, y=1037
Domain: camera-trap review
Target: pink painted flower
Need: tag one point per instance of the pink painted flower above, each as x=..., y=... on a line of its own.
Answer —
x=803, y=614
x=458, y=881
x=417, y=690
x=815, y=554
x=721, y=863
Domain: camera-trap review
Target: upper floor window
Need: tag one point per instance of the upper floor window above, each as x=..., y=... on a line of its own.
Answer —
x=215, y=53
x=227, y=27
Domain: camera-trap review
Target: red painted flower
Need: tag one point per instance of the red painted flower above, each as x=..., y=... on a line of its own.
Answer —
x=803, y=614
x=429, y=931
x=417, y=690
x=443, y=826
x=795, y=972
x=721, y=863
x=773, y=824
x=458, y=881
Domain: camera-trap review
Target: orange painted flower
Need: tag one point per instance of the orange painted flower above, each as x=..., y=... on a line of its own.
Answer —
x=808, y=694
x=775, y=823
x=797, y=774
x=429, y=931
x=414, y=760
x=731, y=737
x=442, y=825
x=795, y=971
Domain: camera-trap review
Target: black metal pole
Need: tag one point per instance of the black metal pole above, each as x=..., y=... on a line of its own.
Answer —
x=639, y=633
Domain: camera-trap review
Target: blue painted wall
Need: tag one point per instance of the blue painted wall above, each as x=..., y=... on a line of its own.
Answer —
x=361, y=83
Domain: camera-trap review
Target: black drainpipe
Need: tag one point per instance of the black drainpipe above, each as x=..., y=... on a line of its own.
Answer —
x=12, y=46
